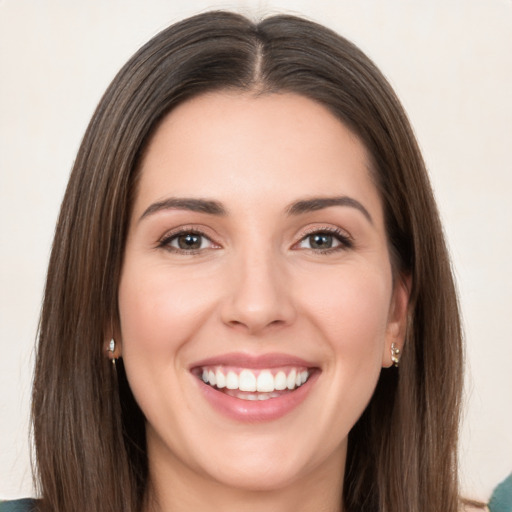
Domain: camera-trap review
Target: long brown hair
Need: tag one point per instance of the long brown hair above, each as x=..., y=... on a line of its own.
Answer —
x=89, y=432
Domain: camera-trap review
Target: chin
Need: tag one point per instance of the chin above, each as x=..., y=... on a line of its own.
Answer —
x=257, y=475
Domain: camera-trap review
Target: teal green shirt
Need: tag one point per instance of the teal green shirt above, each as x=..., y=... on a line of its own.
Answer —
x=501, y=499
x=24, y=505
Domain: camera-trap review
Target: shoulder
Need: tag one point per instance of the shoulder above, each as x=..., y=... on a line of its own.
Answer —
x=501, y=499
x=23, y=505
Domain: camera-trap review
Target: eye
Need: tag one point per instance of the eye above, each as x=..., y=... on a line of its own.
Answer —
x=187, y=242
x=325, y=241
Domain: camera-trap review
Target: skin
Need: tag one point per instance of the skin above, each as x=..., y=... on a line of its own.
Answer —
x=256, y=285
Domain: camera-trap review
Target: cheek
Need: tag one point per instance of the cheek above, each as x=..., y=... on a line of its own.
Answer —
x=158, y=309
x=351, y=314
x=351, y=308
x=348, y=310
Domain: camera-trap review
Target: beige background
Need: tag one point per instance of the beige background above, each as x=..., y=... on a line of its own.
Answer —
x=450, y=62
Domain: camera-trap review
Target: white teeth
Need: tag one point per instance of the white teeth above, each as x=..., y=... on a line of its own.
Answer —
x=265, y=382
x=232, y=380
x=290, y=381
x=280, y=381
x=247, y=381
x=221, y=379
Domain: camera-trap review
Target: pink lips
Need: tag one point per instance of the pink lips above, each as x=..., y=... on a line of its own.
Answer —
x=249, y=361
x=259, y=410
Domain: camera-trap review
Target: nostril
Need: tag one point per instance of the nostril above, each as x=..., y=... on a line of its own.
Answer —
x=254, y=327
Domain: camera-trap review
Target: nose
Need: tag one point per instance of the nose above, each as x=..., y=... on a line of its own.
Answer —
x=259, y=294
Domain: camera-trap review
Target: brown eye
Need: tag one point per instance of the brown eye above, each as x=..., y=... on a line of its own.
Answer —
x=325, y=241
x=188, y=241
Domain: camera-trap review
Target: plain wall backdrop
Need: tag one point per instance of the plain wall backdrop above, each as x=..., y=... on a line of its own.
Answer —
x=450, y=62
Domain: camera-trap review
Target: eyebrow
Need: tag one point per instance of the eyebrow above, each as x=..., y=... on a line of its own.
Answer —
x=178, y=203
x=319, y=203
x=216, y=208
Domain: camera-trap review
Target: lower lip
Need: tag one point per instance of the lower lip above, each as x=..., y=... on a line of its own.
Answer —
x=256, y=410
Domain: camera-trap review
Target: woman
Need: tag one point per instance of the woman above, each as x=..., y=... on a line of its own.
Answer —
x=250, y=236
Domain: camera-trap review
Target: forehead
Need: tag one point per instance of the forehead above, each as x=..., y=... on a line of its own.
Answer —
x=246, y=149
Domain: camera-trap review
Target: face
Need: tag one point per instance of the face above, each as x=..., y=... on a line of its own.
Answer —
x=257, y=302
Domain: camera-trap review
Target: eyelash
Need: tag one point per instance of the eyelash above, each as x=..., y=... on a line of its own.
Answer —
x=345, y=241
x=165, y=242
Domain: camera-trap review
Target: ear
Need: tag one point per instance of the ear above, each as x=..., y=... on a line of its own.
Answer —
x=397, y=319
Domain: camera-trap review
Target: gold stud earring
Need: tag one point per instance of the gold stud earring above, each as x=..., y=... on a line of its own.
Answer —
x=395, y=354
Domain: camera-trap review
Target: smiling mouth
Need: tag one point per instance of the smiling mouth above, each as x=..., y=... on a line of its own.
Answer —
x=253, y=384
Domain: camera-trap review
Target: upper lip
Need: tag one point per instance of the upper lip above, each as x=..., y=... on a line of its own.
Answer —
x=244, y=360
